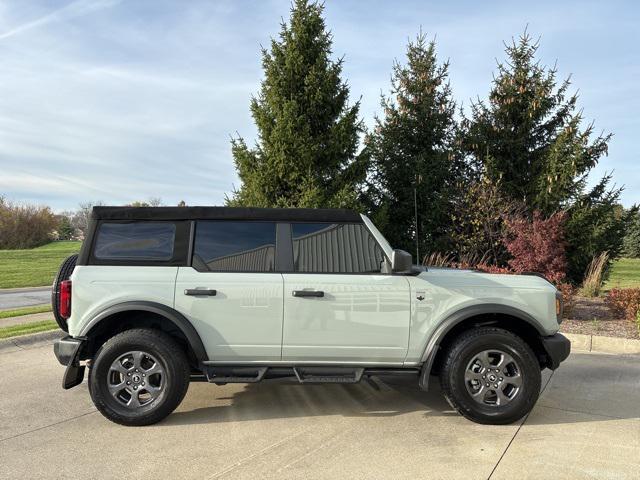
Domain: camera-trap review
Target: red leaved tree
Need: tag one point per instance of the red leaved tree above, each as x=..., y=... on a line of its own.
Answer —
x=537, y=244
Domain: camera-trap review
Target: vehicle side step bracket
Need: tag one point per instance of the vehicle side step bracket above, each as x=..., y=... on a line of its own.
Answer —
x=324, y=375
x=235, y=374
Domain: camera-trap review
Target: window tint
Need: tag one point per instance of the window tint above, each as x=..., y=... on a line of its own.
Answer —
x=135, y=241
x=335, y=248
x=225, y=246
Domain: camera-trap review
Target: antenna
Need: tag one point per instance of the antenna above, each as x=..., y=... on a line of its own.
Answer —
x=415, y=209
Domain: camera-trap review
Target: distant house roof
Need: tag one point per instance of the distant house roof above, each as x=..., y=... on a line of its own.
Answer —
x=227, y=213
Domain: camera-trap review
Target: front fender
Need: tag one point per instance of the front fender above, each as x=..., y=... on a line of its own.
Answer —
x=445, y=326
x=472, y=311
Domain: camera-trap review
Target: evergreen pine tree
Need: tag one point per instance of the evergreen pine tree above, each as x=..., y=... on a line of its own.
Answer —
x=412, y=148
x=65, y=228
x=307, y=152
x=529, y=137
x=632, y=234
x=596, y=223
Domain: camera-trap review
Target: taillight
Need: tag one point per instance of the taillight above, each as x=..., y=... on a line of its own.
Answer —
x=65, y=299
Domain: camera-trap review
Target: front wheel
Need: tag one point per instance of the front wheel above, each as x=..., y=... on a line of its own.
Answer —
x=491, y=376
x=138, y=377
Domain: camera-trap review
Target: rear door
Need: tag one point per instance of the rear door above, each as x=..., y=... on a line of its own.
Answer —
x=338, y=306
x=231, y=293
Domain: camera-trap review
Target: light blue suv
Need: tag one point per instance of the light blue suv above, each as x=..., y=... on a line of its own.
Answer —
x=159, y=297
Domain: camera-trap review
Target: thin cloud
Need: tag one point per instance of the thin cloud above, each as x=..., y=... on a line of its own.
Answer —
x=69, y=11
x=118, y=101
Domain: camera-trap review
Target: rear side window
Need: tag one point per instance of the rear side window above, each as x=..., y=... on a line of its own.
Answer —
x=144, y=241
x=335, y=248
x=227, y=246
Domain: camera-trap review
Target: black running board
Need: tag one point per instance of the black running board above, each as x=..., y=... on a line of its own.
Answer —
x=221, y=374
x=328, y=375
x=234, y=374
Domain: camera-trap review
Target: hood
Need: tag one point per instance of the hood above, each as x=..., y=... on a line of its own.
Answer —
x=454, y=277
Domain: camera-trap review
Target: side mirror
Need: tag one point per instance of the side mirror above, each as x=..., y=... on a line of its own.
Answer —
x=401, y=261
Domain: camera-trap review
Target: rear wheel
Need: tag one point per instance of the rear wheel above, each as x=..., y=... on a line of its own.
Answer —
x=65, y=271
x=138, y=377
x=491, y=375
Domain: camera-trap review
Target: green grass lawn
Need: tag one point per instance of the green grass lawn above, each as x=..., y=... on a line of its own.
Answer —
x=35, y=267
x=625, y=273
x=18, y=312
x=35, y=327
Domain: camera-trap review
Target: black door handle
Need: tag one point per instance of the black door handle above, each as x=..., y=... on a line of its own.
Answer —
x=200, y=292
x=308, y=293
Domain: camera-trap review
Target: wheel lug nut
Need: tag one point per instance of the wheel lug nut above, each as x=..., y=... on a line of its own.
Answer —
x=484, y=376
x=496, y=385
x=128, y=374
x=501, y=379
x=143, y=375
x=487, y=384
x=135, y=387
x=143, y=383
x=128, y=383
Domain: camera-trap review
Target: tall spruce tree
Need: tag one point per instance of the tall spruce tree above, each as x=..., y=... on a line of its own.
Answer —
x=307, y=152
x=412, y=148
x=529, y=137
x=529, y=133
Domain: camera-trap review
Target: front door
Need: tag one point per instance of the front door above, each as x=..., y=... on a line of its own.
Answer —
x=231, y=293
x=338, y=307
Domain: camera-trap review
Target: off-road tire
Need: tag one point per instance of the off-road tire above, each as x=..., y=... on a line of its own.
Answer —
x=65, y=271
x=462, y=351
x=171, y=357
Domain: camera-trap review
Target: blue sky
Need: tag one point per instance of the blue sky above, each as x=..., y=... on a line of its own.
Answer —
x=123, y=100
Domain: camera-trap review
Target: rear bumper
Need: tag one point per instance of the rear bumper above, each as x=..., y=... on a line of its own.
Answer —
x=67, y=350
x=558, y=348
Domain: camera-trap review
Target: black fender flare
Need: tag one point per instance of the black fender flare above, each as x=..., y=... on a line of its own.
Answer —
x=179, y=320
x=445, y=326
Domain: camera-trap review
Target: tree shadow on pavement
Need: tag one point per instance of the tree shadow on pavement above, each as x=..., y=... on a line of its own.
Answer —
x=383, y=397
x=586, y=388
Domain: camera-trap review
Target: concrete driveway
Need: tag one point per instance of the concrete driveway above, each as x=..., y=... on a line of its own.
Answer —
x=586, y=425
x=24, y=297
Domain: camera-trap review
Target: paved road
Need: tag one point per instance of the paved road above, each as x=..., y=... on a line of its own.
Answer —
x=24, y=297
x=586, y=425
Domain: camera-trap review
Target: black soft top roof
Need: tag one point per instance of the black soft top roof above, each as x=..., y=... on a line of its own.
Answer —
x=227, y=213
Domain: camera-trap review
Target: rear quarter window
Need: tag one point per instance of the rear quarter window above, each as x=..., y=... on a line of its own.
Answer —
x=145, y=241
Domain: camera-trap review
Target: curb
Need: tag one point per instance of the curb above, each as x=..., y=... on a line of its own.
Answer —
x=33, y=340
x=596, y=343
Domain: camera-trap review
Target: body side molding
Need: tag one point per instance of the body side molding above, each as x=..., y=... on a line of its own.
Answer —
x=179, y=320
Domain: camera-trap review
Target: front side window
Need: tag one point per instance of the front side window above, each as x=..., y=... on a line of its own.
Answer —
x=145, y=241
x=227, y=246
x=335, y=248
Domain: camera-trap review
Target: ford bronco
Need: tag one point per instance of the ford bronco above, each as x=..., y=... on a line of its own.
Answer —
x=159, y=297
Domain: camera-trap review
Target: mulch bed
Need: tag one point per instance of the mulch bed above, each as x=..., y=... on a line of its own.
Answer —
x=591, y=316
